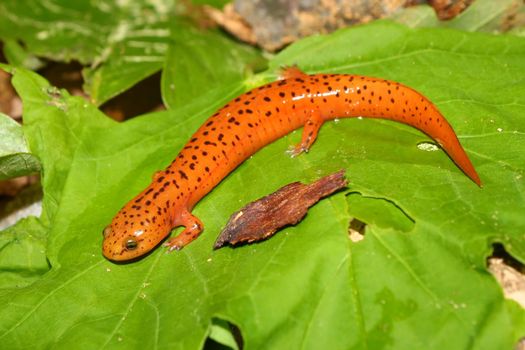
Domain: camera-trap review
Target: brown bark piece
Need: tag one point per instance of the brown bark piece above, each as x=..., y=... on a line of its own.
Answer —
x=286, y=206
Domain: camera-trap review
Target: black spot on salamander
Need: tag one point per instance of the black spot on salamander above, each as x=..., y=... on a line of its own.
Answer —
x=183, y=175
x=237, y=137
x=220, y=137
x=205, y=133
x=231, y=120
x=249, y=111
x=282, y=94
x=166, y=184
x=192, y=166
x=240, y=111
x=194, y=157
x=175, y=183
x=210, y=122
x=268, y=113
x=204, y=153
x=267, y=99
x=210, y=143
x=199, y=179
x=194, y=139
x=207, y=169
x=364, y=87
x=392, y=100
x=358, y=90
x=147, y=192
x=246, y=103
x=237, y=99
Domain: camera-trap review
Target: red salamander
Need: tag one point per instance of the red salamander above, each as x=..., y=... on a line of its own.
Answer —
x=248, y=123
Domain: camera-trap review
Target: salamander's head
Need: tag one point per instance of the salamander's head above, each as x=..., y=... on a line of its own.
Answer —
x=134, y=231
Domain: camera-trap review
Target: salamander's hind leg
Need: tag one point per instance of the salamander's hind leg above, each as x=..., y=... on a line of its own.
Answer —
x=290, y=72
x=192, y=229
x=313, y=122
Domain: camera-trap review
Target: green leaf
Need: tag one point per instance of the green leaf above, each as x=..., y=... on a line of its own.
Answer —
x=423, y=285
x=15, y=157
x=484, y=15
x=122, y=42
x=22, y=254
x=200, y=60
x=481, y=15
x=221, y=333
x=17, y=55
x=140, y=53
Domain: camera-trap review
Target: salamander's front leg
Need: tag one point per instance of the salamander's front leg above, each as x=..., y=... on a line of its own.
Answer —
x=311, y=128
x=192, y=229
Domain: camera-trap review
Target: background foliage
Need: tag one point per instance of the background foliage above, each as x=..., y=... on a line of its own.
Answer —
x=417, y=280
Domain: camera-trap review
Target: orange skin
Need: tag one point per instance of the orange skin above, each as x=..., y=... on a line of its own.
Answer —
x=250, y=122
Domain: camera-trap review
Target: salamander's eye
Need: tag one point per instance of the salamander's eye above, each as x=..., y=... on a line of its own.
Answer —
x=107, y=231
x=131, y=244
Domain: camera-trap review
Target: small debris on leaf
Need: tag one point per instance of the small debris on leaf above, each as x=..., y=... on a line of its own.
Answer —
x=287, y=206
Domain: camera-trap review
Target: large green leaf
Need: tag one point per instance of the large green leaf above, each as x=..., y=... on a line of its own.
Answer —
x=417, y=280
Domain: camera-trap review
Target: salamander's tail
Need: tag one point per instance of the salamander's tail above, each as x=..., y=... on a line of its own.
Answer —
x=453, y=148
